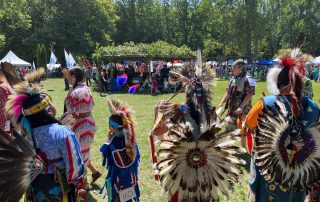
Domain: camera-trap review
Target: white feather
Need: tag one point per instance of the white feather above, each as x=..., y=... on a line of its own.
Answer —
x=272, y=79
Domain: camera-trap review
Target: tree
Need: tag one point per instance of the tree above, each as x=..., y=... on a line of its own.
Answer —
x=15, y=24
x=42, y=60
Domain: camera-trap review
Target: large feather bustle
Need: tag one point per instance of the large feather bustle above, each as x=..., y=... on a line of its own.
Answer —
x=119, y=108
x=270, y=158
x=18, y=166
x=219, y=169
x=196, y=152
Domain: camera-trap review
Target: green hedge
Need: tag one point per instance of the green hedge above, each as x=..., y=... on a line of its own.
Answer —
x=156, y=50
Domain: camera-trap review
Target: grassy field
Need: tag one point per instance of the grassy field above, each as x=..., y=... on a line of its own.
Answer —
x=143, y=106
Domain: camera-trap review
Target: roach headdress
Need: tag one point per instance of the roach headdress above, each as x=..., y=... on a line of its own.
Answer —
x=28, y=104
x=127, y=123
x=196, y=152
x=289, y=73
x=287, y=149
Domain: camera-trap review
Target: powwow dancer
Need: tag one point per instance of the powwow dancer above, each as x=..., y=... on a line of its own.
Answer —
x=239, y=93
x=121, y=155
x=196, y=153
x=286, y=152
x=8, y=79
x=5, y=91
x=53, y=166
x=79, y=102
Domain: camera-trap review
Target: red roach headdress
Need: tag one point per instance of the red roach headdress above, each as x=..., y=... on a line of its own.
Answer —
x=294, y=64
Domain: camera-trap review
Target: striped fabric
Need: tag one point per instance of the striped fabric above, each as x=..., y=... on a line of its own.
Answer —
x=80, y=101
x=74, y=163
x=57, y=141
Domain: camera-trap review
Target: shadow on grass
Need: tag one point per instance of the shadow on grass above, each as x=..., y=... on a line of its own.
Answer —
x=93, y=193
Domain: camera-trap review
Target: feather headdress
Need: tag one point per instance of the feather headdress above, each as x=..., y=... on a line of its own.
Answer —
x=19, y=166
x=291, y=66
x=289, y=156
x=119, y=108
x=35, y=76
x=196, y=153
x=22, y=91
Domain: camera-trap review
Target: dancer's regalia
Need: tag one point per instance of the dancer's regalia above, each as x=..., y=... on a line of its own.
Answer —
x=121, y=155
x=79, y=102
x=196, y=152
x=5, y=91
x=286, y=152
x=52, y=166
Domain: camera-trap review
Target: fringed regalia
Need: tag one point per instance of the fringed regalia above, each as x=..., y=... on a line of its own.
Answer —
x=121, y=156
x=79, y=103
x=196, y=151
x=286, y=152
x=51, y=167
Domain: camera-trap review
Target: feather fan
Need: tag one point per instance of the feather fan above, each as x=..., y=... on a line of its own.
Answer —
x=67, y=120
x=289, y=156
x=18, y=166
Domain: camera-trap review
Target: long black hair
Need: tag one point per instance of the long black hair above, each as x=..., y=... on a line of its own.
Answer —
x=79, y=75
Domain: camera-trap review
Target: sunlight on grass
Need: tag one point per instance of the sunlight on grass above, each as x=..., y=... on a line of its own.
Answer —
x=143, y=106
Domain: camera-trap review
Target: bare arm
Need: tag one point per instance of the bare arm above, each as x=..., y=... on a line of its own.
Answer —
x=224, y=99
x=246, y=100
x=244, y=103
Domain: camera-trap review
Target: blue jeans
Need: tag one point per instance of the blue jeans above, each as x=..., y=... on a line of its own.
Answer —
x=66, y=84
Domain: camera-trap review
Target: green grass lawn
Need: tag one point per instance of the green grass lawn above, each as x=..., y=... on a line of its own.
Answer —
x=143, y=106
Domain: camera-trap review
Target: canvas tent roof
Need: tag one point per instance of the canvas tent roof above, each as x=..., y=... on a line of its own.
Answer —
x=53, y=66
x=14, y=60
x=315, y=60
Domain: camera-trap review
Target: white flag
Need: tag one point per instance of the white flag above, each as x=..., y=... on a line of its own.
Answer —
x=33, y=66
x=66, y=55
x=53, y=58
x=71, y=60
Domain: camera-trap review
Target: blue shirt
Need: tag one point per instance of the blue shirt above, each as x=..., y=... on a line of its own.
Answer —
x=59, y=144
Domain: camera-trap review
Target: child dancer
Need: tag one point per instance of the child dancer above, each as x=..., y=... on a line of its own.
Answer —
x=121, y=155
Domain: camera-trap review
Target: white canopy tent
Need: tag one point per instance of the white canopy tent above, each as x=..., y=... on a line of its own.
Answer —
x=53, y=66
x=169, y=64
x=316, y=60
x=212, y=62
x=14, y=60
x=228, y=62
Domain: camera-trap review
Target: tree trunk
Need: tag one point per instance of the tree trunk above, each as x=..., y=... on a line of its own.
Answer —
x=248, y=31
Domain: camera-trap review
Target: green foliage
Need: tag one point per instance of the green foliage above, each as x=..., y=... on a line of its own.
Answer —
x=74, y=25
x=2, y=41
x=157, y=50
x=42, y=60
x=253, y=29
